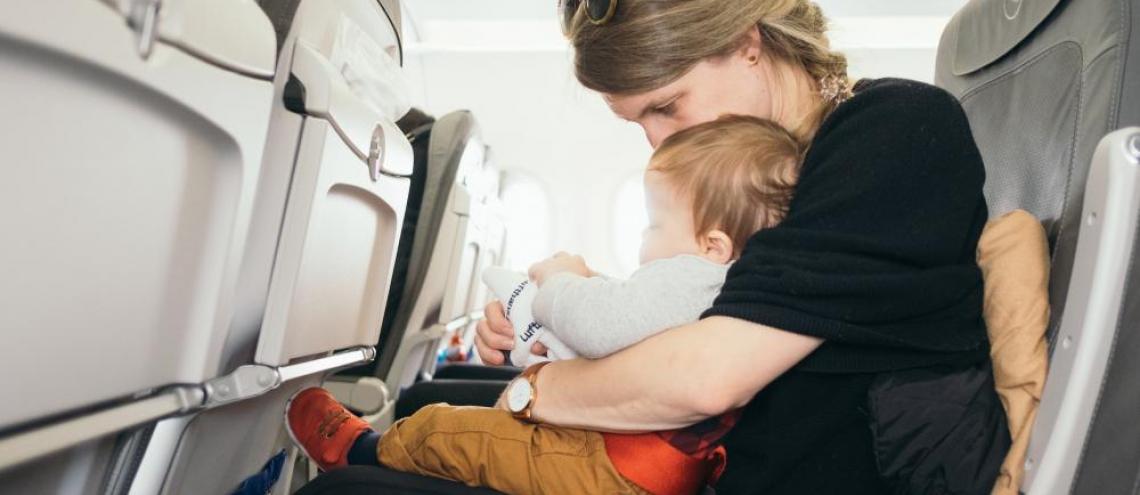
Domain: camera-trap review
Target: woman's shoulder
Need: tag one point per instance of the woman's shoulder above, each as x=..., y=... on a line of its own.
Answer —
x=899, y=102
x=901, y=92
x=893, y=112
x=890, y=125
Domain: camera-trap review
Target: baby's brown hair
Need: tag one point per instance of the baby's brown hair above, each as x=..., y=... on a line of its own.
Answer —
x=739, y=173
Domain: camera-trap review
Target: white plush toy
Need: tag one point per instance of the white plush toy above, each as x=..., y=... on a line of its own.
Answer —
x=517, y=293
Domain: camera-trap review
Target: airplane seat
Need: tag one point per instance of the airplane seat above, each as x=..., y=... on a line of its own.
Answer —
x=416, y=126
x=370, y=480
x=447, y=248
x=133, y=141
x=1050, y=88
x=468, y=371
x=315, y=271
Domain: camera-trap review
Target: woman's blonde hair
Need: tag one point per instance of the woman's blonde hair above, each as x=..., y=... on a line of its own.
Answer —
x=651, y=43
x=738, y=174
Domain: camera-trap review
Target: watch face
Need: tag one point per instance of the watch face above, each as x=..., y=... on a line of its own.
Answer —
x=519, y=395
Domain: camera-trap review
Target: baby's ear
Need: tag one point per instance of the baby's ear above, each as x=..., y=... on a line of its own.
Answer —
x=717, y=246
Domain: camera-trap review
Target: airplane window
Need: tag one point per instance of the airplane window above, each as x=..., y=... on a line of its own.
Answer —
x=471, y=165
x=527, y=215
x=629, y=221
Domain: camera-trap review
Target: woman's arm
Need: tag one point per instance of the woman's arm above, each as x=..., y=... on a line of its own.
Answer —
x=671, y=380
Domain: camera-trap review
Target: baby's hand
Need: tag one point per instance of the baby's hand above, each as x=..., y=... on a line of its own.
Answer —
x=559, y=263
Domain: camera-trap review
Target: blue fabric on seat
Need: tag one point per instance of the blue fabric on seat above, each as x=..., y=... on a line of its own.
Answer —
x=262, y=482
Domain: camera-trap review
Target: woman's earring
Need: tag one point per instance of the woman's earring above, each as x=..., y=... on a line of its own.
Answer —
x=753, y=60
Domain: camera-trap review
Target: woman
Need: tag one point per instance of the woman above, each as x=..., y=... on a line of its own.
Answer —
x=852, y=334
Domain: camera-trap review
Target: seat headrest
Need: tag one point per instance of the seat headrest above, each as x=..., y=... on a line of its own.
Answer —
x=985, y=30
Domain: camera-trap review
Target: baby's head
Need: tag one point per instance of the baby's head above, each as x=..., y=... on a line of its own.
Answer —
x=711, y=186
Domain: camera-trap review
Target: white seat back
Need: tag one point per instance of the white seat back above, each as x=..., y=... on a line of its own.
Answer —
x=315, y=278
x=132, y=147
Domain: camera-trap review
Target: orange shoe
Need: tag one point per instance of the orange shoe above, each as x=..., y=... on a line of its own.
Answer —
x=322, y=427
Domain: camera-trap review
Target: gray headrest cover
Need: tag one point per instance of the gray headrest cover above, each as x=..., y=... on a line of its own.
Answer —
x=986, y=30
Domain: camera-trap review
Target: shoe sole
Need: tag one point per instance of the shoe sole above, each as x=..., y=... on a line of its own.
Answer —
x=289, y=430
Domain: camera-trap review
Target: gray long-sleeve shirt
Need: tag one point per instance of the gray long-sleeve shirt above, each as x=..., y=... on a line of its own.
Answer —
x=597, y=316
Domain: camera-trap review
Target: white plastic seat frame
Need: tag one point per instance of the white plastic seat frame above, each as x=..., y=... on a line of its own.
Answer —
x=1089, y=327
x=156, y=70
x=382, y=156
x=329, y=265
x=450, y=296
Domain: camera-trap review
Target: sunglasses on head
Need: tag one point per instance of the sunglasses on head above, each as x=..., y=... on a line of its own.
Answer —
x=597, y=11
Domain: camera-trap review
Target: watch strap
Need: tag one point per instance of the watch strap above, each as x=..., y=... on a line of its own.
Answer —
x=530, y=374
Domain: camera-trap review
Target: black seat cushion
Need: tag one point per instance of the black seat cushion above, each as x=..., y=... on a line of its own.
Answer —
x=369, y=480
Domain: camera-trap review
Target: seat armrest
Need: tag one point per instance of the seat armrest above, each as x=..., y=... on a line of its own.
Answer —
x=455, y=392
x=1084, y=343
x=465, y=371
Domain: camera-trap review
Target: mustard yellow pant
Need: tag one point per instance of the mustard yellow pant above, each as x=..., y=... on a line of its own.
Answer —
x=479, y=446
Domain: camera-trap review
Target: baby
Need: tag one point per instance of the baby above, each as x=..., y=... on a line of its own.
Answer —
x=708, y=189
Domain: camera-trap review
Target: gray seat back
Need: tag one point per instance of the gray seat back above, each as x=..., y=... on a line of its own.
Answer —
x=1041, y=90
x=1043, y=82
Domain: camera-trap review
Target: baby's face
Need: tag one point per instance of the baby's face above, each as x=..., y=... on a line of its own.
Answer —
x=670, y=232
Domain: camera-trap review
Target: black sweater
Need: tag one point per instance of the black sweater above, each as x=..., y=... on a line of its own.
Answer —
x=877, y=257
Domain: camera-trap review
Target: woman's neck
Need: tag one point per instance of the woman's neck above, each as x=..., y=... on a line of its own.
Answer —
x=794, y=94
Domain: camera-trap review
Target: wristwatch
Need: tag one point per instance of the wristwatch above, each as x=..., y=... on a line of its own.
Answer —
x=522, y=391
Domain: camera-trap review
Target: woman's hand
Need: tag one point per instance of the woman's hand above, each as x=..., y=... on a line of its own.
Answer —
x=495, y=335
x=559, y=263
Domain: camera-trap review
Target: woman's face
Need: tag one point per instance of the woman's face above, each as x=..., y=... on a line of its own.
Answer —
x=734, y=84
